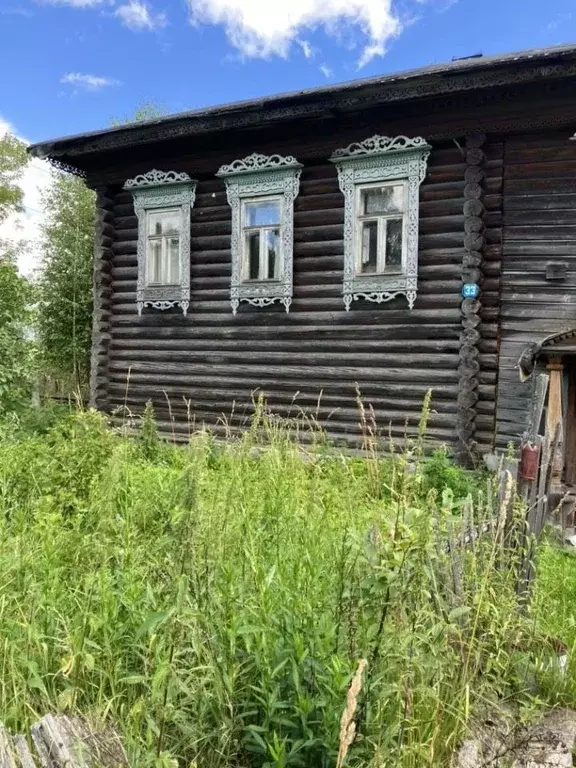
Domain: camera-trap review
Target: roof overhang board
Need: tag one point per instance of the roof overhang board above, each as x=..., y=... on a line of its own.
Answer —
x=456, y=77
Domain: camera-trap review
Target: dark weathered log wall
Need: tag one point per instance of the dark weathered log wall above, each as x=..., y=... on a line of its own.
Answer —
x=206, y=368
x=104, y=237
x=539, y=227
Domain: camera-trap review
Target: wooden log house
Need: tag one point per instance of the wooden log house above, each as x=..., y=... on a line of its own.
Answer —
x=395, y=234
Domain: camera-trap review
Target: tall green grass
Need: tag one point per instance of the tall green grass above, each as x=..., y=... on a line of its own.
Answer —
x=214, y=601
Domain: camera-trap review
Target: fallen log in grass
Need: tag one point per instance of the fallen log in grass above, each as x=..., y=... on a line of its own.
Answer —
x=62, y=742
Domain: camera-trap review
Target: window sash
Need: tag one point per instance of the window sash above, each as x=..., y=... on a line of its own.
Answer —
x=163, y=268
x=263, y=250
x=382, y=231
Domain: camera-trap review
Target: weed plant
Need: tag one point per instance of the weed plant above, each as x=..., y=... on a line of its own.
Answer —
x=214, y=601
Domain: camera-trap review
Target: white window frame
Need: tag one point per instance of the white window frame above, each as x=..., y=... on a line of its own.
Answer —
x=245, y=267
x=159, y=192
x=375, y=162
x=260, y=177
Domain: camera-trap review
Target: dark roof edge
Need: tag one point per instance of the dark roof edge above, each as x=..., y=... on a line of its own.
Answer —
x=459, y=75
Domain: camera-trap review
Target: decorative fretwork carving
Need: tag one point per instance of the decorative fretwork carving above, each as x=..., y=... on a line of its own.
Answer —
x=378, y=144
x=381, y=158
x=155, y=178
x=258, y=162
x=156, y=190
x=164, y=305
x=66, y=167
x=259, y=175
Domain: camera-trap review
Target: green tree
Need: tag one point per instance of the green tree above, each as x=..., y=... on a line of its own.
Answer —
x=16, y=352
x=65, y=283
x=146, y=110
x=13, y=161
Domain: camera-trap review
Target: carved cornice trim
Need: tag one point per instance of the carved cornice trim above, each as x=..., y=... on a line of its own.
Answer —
x=155, y=178
x=66, y=168
x=379, y=145
x=256, y=163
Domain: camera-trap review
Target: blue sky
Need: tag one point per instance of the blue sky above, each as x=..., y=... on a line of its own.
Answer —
x=73, y=65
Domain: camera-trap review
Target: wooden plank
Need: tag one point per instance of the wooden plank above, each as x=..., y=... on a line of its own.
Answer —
x=7, y=758
x=23, y=752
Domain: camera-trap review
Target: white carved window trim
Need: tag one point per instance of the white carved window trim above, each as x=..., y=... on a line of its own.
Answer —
x=366, y=163
x=262, y=177
x=158, y=191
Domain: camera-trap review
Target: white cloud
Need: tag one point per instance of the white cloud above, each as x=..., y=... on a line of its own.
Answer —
x=559, y=21
x=326, y=71
x=26, y=225
x=78, y=3
x=307, y=49
x=16, y=11
x=260, y=28
x=137, y=15
x=88, y=82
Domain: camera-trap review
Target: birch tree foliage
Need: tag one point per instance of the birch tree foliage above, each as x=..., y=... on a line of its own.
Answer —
x=16, y=351
x=13, y=161
x=65, y=283
x=66, y=279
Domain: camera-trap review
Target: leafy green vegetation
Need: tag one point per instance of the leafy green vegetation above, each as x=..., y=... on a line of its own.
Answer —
x=64, y=289
x=215, y=601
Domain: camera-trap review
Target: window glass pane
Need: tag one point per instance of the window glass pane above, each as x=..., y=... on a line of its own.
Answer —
x=164, y=222
x=154, y=261
x=262, y=214
x=393, y=245
x=389, y=199
x=173, y=261
x=253, y=254
x=272, y=245
x=369, y=247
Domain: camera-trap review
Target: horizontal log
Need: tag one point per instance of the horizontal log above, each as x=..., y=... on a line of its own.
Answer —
x=217, y=344
x=121, y=381
x=324, y=414
x=339, y=432
x=342, y=372
x=205, y=310
x=387, y=335
x=303, y=358
x=438, y=292
x=327, y=270
x=310, y=398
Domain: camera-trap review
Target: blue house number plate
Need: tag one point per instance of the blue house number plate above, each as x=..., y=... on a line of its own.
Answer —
x=470, y=290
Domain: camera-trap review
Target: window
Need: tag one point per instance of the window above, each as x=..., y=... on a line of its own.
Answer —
x=380, y=179
x=380, y=229
x=261, y=225
x=261, y=191
x=162, y=202
x=163, y=247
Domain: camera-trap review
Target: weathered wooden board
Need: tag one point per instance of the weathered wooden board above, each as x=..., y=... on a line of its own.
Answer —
x=58, y=741
x=539, y=226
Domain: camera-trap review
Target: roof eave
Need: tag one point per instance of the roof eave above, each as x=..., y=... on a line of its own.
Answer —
x=455, y=77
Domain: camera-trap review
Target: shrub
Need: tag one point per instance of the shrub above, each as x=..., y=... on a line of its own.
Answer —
x=440, y=472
